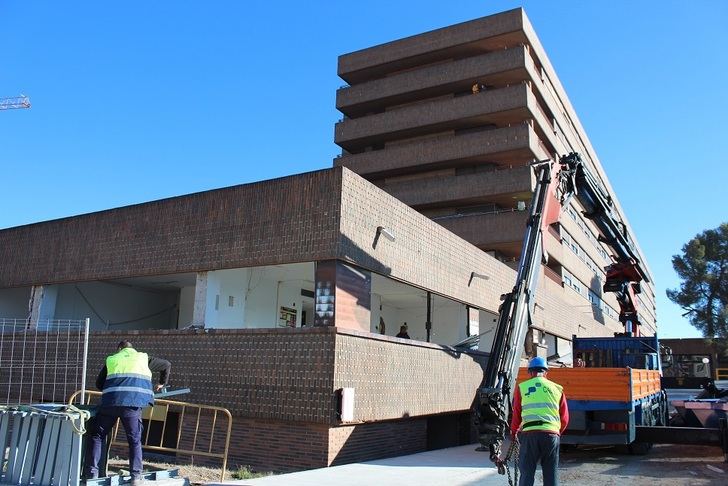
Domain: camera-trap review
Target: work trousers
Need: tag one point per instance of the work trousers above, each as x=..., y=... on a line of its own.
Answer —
x=131, y=420
x=538, y=447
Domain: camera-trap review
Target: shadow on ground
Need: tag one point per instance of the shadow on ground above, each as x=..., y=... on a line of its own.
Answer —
x=663, y=465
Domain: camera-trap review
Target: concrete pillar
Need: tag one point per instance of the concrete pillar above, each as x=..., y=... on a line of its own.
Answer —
x=343, y=296
x=535, y=344
x=200, y=307
x=34, y=303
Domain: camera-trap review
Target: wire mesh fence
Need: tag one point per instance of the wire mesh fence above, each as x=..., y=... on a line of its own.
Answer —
x=42, y=363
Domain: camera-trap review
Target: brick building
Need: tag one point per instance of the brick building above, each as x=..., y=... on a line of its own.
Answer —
x=448, y=121
x=270, y=297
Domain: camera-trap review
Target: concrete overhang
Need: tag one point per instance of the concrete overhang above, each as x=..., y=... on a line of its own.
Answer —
x=504, y=186
x=498, y=68
x=466, y=39
x=500, y=107
x=488, y=230
x=515, y=145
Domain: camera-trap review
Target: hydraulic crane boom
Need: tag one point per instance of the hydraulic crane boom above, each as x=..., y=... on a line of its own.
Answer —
x=515, y=314
x=625, y=274
x=14, y=103
x=554, y=188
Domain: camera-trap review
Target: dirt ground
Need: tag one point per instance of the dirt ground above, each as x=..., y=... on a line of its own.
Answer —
x=196, y=474
x=668, y=465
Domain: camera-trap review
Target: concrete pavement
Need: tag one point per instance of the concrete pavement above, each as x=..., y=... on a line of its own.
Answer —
x=456, y=466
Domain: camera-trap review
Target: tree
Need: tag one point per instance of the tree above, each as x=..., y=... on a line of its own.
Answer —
x=703, y=293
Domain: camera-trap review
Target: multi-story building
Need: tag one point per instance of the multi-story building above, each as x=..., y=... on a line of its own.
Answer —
x=270, y=298
x=448, y=122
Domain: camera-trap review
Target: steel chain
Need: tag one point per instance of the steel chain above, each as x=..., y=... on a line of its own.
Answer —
x=514, y=448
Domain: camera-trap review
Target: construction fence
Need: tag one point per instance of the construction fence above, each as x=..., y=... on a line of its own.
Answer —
x=44, y=362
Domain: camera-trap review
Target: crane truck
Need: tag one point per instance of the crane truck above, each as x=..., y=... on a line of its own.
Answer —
x=556, y=184
x=634, y=412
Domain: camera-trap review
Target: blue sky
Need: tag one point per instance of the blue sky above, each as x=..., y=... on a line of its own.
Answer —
x=134, y=100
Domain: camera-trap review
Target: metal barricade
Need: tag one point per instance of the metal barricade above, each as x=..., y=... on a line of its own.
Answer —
x=194, y=437
x=41, y=445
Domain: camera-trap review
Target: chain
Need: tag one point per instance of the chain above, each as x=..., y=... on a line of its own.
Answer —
x=513, y=449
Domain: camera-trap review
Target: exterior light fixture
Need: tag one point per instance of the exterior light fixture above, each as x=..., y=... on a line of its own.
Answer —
x=387, y=233
x=477, y=275
x=382, y=231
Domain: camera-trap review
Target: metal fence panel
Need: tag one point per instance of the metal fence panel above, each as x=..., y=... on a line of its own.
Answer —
x=43, y=362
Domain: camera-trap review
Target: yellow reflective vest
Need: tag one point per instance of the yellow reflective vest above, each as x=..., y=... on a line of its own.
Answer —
x=128, y=380
x=540, y=400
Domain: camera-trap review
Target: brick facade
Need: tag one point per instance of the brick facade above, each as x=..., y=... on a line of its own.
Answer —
x=280, y=385
x=285, y=220
x=450, y=120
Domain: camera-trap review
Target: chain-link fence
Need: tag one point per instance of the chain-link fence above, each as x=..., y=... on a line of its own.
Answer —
x=42, y=363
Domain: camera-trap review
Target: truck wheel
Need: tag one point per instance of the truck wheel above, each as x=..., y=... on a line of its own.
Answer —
x=639, y=448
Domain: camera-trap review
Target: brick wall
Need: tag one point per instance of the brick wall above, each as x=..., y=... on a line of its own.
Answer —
x=394, y=379
x=281, y=374
x=285, y=220
x=369, y=441
x=268, y=445
x=423, y=253
x=280, y=386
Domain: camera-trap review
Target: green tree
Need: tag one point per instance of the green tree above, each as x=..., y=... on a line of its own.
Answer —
x=703, y=293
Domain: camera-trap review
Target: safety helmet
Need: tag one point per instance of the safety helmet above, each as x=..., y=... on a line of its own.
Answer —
x=538, y=363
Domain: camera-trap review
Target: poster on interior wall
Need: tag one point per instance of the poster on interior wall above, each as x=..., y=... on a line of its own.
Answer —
x=287, y=317
x=325, y=293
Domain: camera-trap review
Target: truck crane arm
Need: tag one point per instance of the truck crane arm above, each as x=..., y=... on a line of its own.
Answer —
x=516, y=310
x=625, y=273
x=554, y=188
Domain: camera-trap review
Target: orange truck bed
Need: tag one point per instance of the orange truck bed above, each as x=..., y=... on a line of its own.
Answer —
x=603, y=384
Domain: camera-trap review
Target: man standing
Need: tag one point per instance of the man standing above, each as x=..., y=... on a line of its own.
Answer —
x=403, y=332
x=541, y=414
x=126, y=385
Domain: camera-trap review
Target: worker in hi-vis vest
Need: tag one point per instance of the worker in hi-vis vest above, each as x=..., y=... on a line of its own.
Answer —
x=126, y=388
x=540, y=416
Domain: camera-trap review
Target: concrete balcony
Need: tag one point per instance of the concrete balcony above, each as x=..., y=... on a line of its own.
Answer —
x=514, y=145
x=498, y=68
x=500, y=231
x=500, y=107
x=499, y=186
x=476, y=36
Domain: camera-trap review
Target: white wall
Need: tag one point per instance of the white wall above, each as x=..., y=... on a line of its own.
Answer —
x=488, y=321
x=256, y=294
x=186, y=306
x=398, y=303
x=48, y=304
x=260, y=304
x=448, y=321
x=225, y=293
x=393, y=316
x=14, y=303
x=115, y=304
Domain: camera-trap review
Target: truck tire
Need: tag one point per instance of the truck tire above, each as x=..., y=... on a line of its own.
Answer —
x=639, y=448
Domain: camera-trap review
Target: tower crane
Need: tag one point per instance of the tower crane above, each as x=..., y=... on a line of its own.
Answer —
x=15, y=102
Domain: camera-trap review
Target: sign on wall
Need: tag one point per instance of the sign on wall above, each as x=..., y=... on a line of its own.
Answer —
x=287, y=317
